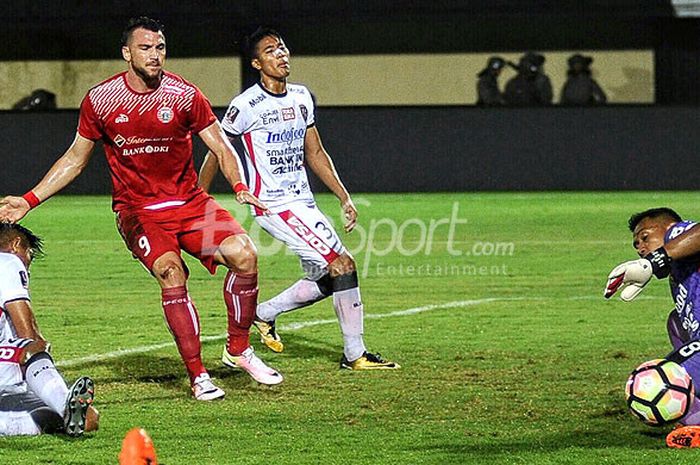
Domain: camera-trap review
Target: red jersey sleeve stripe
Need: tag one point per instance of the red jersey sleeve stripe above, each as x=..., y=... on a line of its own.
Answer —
x=251, y=151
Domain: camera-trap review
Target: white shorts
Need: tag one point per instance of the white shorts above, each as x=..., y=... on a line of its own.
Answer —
x=21, y=411
x=26, y=414
x=308, y=233
x=11, y=378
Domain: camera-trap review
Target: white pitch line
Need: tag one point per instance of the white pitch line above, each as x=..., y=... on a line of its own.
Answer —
x=308, y=324
x=287, y=327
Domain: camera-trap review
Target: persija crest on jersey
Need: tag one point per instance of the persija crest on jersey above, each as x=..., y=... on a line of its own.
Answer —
x=165, y=114
x=147, y=137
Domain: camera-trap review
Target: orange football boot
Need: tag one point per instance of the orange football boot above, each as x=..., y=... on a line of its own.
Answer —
x=137, y=449
x=684, y=436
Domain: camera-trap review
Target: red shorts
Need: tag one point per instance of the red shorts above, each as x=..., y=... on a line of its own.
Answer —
x=198, y=227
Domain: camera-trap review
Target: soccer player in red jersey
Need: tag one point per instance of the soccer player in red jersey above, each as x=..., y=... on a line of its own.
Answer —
x=145, y=117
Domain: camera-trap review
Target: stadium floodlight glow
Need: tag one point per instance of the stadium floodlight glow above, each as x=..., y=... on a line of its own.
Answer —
x=686, y=8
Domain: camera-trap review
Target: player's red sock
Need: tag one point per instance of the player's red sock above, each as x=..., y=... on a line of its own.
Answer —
x=241, y=297
x=183, y=321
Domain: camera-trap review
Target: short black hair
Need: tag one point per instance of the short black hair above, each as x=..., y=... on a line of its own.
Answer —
x=661, y=212
x=10, y=231
x=252, y=41
x=141, y=22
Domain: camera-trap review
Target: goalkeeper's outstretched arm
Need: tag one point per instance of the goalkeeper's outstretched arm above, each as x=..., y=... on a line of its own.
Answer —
x=684, y=246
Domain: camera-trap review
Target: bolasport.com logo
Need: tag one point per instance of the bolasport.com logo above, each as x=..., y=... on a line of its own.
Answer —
x=389, y=247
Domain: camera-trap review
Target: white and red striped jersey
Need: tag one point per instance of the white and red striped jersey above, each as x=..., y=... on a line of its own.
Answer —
x=14, y=281
x=14, y=286
x=268, y=132
x=147, y=138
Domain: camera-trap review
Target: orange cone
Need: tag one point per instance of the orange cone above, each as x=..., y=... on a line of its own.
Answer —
x=137, y=449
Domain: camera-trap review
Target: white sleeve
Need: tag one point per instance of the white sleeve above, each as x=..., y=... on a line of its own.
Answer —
x=234, y=122
x=14, y=281
x=311, y=120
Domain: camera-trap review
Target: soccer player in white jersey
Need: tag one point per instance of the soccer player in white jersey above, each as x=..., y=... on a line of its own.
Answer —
x=34, y=398
x=272, y=126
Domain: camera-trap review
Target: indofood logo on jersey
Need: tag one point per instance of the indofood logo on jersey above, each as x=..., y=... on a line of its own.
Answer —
x=288, y=136
x=165, y=114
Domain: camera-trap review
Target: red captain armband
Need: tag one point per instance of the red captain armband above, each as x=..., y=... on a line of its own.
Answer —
x=240, y=187
x=31, y=199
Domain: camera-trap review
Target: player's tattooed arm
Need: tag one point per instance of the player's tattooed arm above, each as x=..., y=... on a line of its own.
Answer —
x=321, y=164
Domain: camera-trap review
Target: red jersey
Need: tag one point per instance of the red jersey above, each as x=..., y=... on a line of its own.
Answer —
x=147, y=138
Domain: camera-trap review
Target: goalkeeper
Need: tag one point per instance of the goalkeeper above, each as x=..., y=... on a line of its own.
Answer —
x=669, y=247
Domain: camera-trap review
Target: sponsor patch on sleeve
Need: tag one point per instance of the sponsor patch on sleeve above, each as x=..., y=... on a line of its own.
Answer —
x=231, y=115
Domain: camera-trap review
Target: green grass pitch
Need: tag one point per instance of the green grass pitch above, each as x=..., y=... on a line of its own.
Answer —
x=510, y=354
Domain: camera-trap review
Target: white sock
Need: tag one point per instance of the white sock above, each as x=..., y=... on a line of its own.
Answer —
x=18, y=424
x=348, y=307
x=300, y=294
x=44, y=380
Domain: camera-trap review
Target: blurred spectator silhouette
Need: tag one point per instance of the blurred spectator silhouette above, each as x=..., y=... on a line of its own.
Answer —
x=580, y=88
x=487, y=85
x=530, y=87
x=39, y=99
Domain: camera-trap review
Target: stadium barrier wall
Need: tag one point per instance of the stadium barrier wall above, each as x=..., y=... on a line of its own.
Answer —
x=414, y=149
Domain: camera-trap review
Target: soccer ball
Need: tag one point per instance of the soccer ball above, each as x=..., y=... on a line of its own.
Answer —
x=659, y=392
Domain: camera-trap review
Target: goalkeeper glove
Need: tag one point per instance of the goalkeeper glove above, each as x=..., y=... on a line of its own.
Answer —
x=632, y=276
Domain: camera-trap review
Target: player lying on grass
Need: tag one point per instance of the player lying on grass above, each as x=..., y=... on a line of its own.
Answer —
x=274, y=117
x=660, y=237
x=34, y=398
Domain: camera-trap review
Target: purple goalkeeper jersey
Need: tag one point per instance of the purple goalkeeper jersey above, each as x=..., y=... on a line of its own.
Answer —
x=685, y=287
x=684, y=321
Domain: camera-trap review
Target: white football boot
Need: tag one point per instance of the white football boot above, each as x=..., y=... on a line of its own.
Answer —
x=255, y=367
x=204, y=389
